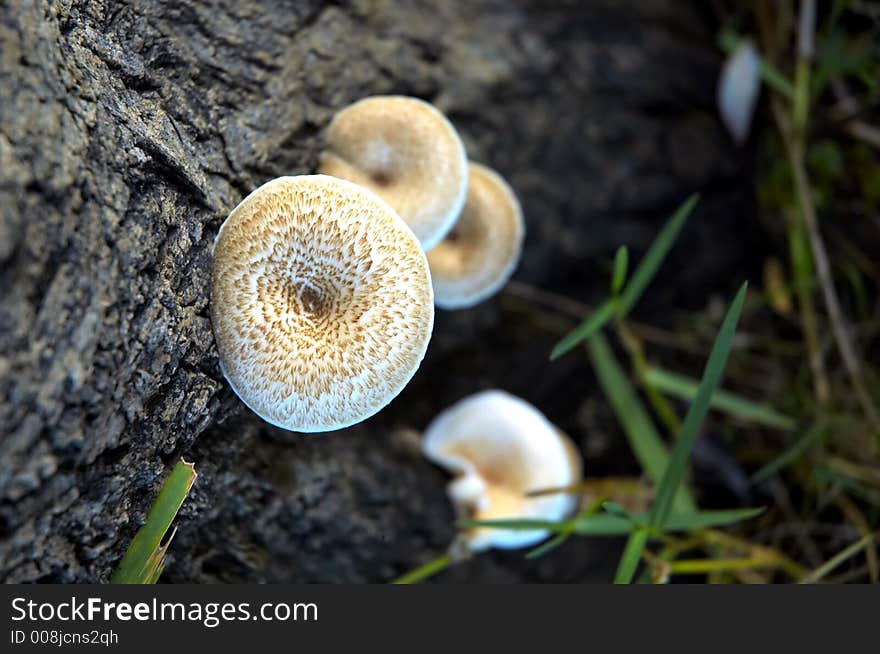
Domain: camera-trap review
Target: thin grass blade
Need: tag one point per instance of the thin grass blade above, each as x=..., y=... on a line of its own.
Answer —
x=421, y=573
x=519, y=524
x=606, y=524
x=547, y=547
x=838, y=559
x=740, y=407
x=143, y=560
x=690, y=429
x=654, y=257
x=632, y=554
x=566, y=533
x=707, y=519
x=603, y=313
x=648, y=447
x=621, y=264
x=792, y=454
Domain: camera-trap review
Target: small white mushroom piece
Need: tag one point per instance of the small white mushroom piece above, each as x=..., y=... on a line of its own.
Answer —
x=408, y=153
x=321, y=302
x=501, y=448
x=480, y=253
x=738, y=89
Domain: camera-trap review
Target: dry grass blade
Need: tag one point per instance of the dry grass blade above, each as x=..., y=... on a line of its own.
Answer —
x=838, y=559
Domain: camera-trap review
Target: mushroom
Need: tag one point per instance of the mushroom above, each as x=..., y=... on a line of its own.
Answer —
x=501, y=448
x=321, y=302
x=406, y=152
x=481, y=252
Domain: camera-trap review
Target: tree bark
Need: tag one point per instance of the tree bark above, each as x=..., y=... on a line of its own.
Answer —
x=130, y=128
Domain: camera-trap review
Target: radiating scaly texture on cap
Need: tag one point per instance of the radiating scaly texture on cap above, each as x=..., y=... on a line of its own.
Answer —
x=480, y=253
x=408, y=153
x=501, y=448
x=321, y=302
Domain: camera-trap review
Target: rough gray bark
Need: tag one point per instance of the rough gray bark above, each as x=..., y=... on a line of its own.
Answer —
x=129, y=128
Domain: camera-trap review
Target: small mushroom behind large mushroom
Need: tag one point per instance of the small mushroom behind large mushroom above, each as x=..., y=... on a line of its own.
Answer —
x=408, y=153
x=321, y=302
x=480, y=253
x=500, y=448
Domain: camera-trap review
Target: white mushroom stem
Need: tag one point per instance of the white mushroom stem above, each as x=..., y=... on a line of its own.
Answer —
x=501, y=448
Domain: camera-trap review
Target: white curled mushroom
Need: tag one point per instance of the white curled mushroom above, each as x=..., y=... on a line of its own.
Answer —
x=408, y=153
x=501, y=448
x=480, y=253
x=321, y=302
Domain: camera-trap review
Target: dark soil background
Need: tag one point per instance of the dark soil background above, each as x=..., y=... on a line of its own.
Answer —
x=129, y=129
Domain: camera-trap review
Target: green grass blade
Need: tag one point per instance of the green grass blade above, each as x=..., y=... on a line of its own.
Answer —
x=143, y=560
x=606, y=524
x=550, y=545
x=424, y=571
x=642, y=276
x=615, y=509
x=519, y=524
x=707, y=519
x=603, y=313
x=632, y=553
x=648, y=447
x=565, y=533
x=792, y=454
x=654, y=257
x=621, y=264
x=685, y=388
x=690, y=429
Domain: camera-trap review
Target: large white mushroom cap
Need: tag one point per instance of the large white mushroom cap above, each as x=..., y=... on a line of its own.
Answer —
x=408, y=153
x=321, y=302
x=480, y=253
x=500, y=448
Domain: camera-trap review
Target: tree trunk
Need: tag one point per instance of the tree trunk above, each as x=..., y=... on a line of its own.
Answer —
x=130, y=128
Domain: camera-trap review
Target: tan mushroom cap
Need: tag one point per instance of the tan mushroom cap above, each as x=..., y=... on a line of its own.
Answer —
x=321, y=302
x=479, y=255
x=501, y=448
x=408, y=153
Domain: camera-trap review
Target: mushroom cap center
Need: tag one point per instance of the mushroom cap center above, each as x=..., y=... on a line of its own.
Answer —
x=312, y=299
x=304, y=297
x=298, y=299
